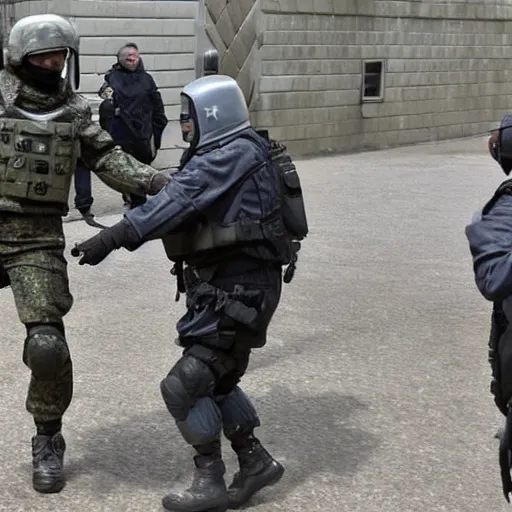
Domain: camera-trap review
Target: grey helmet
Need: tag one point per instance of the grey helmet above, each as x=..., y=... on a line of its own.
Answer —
x=219, y=108
x=42, y=33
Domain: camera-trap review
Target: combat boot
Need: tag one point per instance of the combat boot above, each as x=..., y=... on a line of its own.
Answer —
x=258, y=469
x=207, y=492
x=48, y=463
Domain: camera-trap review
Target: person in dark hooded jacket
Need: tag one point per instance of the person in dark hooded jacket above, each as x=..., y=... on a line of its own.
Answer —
x=139, y=115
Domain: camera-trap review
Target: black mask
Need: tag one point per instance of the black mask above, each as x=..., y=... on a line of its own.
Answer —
x=46, y=80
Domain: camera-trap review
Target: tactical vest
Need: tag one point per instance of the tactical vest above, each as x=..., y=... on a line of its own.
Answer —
x=204, y=237
x=282, y=230
x=37, y=159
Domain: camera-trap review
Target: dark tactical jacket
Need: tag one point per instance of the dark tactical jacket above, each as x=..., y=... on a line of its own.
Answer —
x=230, y=182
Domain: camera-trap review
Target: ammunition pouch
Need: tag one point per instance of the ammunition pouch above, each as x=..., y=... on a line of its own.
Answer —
x=37, y=161
x=293, y=207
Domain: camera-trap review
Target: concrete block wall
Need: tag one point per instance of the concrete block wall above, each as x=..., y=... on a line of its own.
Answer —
x=448, y=64
x=164, y=31
x=234, y=27
x=448, y=71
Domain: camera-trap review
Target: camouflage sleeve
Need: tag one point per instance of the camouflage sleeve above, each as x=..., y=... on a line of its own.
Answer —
x=113, y=166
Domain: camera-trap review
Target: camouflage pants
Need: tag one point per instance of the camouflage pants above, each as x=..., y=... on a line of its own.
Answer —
x=32, y=255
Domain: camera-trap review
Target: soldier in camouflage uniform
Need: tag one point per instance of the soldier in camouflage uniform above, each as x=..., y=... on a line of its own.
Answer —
x=44, y=126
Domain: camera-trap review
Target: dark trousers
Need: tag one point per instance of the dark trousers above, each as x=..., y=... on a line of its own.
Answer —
x=83, y=189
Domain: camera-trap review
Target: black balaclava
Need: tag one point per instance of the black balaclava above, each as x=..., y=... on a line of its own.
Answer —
x=45, y=80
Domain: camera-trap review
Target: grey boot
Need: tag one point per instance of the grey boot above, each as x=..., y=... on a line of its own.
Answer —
x=258, y=469
x=207, y=492
x=48, y=463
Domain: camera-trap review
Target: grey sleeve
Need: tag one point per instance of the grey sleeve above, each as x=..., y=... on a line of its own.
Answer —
x=163, y=212
x=490, y=242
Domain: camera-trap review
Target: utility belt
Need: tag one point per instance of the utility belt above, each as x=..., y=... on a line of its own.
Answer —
x=240, y=305
x=221, y=269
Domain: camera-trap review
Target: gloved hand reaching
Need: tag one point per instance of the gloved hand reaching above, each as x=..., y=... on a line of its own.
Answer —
x=94, y=250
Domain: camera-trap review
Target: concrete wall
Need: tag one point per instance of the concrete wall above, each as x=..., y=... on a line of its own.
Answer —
x=234, y=29
x=448, y=71
x=448, y=64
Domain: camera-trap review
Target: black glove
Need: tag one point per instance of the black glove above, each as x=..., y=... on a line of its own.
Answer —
x=96, y=249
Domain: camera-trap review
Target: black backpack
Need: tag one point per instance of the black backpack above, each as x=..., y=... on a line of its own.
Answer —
x=292, y=200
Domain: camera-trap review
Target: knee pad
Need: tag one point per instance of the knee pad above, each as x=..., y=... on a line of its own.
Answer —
x=203, y=423
x=238, y=413
x=46, y=351
x=188, y=380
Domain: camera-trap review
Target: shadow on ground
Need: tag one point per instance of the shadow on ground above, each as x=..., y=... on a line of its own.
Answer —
x=310, y=435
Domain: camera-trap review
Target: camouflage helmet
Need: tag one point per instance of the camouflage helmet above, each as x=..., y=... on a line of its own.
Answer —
x=43, y=33
x=219, y=108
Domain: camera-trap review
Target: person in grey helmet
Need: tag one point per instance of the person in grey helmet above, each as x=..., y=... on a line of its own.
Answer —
x=220, y=218
x=44, y=126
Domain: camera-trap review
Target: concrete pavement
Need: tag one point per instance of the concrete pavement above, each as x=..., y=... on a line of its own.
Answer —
x=372, y=389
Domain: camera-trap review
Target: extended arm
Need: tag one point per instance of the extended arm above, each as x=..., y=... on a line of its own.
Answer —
x=186, y=198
